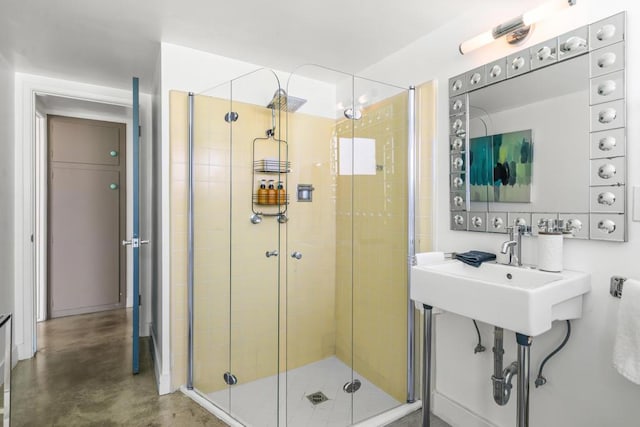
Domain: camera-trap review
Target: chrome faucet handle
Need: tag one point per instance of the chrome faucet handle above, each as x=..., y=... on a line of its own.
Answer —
x=524, y=230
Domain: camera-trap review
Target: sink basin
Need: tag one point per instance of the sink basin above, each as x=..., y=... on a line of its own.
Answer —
x=520, y=299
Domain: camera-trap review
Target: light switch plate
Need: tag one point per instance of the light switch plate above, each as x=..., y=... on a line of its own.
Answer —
x=636, y=204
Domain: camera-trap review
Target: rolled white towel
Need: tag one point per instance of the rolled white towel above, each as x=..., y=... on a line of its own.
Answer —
x=429, y=258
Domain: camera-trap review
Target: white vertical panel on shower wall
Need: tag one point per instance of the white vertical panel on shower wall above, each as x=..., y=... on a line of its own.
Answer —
x=583, y=371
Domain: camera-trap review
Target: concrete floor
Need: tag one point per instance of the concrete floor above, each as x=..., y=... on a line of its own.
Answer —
x=81, y=376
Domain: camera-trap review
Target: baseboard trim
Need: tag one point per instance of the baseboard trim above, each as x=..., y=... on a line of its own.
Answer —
x=84, y=310
x=455, y=414
x=145, y=329
x=163, y=380
x=25, y=352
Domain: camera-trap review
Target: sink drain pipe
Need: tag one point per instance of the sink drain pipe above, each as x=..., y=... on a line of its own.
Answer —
x=501, y=379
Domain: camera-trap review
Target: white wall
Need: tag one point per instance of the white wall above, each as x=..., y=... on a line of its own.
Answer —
x=160, y=343
x=6, y=195
x=583, y=389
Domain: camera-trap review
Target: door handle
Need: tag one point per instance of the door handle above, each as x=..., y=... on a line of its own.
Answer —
x=296, y=255
x=269, y=254
x=135, y=242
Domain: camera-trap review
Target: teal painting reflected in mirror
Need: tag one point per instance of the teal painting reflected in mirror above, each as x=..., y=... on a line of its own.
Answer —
x=501, y=167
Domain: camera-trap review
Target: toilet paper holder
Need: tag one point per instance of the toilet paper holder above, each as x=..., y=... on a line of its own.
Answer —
x=616, y=284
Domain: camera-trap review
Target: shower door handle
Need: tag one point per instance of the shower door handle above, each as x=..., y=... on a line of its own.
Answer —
x=269, y=254
x=296, y=255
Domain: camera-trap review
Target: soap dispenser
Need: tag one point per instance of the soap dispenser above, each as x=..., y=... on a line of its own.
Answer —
x=262, y=193
x=282, y=194
x=271, y=194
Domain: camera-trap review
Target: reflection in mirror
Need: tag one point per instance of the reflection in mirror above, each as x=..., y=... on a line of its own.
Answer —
x=497, y=222
x=495, y=71
x=500, y=168
x=575, y=225
x=606, y=198
x=607, y=143
x=573, y=43
x=606, y=32
x=544, y=117
x=607, y=226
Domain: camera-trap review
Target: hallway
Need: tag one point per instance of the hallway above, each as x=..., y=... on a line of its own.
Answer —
x=81, y=376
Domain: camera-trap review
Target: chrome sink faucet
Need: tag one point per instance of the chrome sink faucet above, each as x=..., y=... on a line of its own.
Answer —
x=513, y=246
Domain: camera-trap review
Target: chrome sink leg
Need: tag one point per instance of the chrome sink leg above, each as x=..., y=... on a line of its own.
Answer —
x=426, y=366
x=524, y=348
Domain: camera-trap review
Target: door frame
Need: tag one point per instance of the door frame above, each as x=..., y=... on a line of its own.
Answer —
x=26, y=261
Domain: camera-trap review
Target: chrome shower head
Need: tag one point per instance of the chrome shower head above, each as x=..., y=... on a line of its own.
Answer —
x=283, y=102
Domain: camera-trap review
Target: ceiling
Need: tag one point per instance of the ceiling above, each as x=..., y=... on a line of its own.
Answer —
x=107, y=42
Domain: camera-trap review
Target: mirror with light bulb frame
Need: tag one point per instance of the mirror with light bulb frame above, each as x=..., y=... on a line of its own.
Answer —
x=567, y=97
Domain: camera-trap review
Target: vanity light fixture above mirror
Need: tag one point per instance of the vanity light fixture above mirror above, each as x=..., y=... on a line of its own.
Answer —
x=516, y=29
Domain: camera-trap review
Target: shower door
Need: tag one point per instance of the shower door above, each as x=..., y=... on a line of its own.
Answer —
x=346, y=311
x=212, y=237
x=379, y=288
x=237, y=249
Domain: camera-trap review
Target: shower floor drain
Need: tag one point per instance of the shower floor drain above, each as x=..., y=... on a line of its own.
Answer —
x=317, y=397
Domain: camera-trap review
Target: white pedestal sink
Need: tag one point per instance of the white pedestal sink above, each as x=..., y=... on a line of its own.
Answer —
x=520, y=299
x=523, y=300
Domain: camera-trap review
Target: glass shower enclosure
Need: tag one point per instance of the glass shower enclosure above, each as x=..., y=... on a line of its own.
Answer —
x=298, y=251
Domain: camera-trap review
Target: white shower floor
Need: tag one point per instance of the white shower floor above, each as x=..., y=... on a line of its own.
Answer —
x=254, y=403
